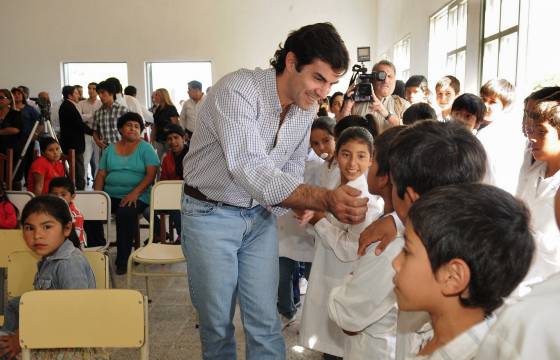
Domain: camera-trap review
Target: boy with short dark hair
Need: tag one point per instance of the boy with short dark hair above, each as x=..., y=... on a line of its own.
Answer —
x=418, y=112
x=467, y=247
x=64, y=188
x=468, y=109
x=172, y=169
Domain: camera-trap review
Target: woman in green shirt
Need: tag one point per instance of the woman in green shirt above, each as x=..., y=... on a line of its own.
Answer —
x=127, y=170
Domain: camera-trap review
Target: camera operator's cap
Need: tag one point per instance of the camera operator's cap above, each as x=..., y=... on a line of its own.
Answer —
x=107, y=86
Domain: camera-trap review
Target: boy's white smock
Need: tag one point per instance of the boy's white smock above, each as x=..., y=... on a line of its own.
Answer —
x=330, y=266
x=366, y=303
x=538, y=194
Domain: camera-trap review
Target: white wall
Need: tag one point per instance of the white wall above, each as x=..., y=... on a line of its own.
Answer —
x=397, y=18
x=231, y=34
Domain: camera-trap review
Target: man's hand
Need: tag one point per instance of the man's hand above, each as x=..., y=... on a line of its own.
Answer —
x=348, y=103
x=346, y=205
x=378, y=107
x=383, y=230
x=9, y=346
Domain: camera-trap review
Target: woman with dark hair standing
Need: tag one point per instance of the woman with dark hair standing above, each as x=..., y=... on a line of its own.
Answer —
x=126, y=172
x=164, y=114
x=10, y=128
x=28, y=118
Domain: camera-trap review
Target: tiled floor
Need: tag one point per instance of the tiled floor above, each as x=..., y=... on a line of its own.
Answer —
x=172, y=323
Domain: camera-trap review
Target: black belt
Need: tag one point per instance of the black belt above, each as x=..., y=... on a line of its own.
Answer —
x=195, y=193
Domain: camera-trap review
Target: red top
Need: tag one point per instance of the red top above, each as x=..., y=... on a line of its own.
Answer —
x=8, y=218
x=44, y=167
x=168, y=168
x=78, y=222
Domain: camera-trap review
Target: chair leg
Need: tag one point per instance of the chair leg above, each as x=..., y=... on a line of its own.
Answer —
x=129, y=272
x=147, y=285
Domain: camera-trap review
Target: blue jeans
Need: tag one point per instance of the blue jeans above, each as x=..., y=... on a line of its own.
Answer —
x=232, y=254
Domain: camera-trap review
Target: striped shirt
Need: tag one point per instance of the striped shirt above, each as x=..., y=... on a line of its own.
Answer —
x=105, y=122
x=236, y=155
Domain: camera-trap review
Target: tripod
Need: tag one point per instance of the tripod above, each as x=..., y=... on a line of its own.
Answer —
x=48, y=130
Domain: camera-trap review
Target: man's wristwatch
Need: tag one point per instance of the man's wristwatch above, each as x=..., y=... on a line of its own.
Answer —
x=389, y=114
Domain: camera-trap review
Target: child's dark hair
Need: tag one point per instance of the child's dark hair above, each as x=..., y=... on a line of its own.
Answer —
x=431, y=153
x=451, y=81
x=382, y=145
x=355, y=133
x=355, y=120
x=500, y=88
x=44, y=143
x=484, y=226
x=547, y=109
x=174, y=129
x=63, y=182
x=53, y=206
x=417, y=112
x=324, y=123
x=471, y=104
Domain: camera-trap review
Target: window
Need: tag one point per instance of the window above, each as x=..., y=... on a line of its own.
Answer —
x=401, y=57
x=499, y=45
x=174, y=76
x=448, y=42
x=83, y=73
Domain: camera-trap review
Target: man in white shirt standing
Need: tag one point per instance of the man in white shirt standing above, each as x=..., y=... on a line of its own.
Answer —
x=87, y=107
x=189, y=112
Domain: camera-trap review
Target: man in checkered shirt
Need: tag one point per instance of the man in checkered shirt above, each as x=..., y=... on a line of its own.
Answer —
x=105, y=129
x=245, y=166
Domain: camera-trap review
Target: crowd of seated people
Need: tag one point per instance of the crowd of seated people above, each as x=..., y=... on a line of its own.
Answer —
x=111, y=150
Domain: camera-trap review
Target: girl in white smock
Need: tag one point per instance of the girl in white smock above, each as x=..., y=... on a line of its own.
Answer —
x=336, y=245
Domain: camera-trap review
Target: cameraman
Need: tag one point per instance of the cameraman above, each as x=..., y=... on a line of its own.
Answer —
x=387, y=109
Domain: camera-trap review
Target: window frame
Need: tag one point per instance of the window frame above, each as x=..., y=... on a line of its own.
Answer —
x=149, y=81
x=498, y=36
x=447, y=9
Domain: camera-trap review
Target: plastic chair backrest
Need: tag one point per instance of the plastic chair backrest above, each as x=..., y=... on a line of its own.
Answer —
x=99, y=263
x=22, y=267
x=20, y=198
x=95, y=205
x=10, y=241
x=111, y=318
x=166, y=195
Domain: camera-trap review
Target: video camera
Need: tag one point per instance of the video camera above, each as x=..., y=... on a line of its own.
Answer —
x=44, y=106
x=364, y=84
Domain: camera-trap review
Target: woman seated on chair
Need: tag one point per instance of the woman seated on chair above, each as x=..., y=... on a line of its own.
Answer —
x=46, y=167
x=126, y=172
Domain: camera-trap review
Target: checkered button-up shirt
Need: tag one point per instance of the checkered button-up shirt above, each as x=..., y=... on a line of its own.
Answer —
x=105, y=122
x=236, y=155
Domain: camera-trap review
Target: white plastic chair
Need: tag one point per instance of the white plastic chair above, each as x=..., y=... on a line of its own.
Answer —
x=56, y=319
x=95, y=205
x=20, y=198
x=166, y=195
